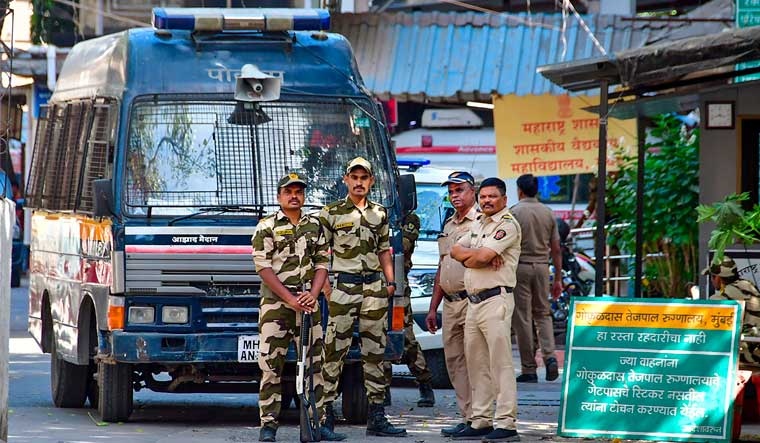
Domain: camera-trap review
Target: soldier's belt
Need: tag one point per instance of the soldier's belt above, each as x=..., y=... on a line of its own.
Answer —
x=358, y=279
x=488, y=293
x=459, y=296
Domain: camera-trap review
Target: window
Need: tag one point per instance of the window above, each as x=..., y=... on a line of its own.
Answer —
x=186, y=155
x=71, y=149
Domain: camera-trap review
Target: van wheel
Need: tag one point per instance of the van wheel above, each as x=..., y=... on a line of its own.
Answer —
x=355, y=406
x=436, y=363
x=115, y=391
x=68, y=382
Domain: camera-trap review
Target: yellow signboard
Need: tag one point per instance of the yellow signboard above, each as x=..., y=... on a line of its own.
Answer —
x=553, y=135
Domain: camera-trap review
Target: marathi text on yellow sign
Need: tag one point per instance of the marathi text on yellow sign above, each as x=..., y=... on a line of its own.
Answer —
x=553, y=135
x=636, y=315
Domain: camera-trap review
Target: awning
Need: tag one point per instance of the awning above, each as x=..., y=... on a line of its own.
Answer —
x=664, y=65
x=455, y=57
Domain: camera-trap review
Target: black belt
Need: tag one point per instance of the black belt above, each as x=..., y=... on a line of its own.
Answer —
x=488, y=293
x=459, y=296
x=358, y=279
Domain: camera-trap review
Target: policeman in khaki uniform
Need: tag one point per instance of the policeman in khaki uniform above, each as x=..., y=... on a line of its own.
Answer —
x=449, y=287
x=540, y=241
x=490, y=256
x=413, y=356
x=358, y=231
x=725, y=279
x=290, y=252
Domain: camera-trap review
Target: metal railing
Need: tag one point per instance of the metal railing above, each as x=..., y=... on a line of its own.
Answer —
x=612, y=273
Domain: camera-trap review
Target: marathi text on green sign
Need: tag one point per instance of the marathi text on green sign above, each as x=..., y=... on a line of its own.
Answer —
x=653, y=369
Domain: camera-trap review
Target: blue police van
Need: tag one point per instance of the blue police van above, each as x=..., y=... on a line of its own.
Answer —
x=155, y=157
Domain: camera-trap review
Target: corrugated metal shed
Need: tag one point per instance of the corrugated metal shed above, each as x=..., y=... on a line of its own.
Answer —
x=454, y=57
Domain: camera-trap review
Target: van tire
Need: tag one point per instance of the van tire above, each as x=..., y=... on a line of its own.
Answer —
x=436, y=363
x=355, y=406
x=115, y=391
x=68, y=382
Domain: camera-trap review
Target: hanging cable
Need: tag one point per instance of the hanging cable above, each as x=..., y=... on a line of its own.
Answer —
x=585, y=27
x=564, y=29
x=513, y=18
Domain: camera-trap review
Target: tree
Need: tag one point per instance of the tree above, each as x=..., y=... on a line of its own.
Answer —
x=671, y=195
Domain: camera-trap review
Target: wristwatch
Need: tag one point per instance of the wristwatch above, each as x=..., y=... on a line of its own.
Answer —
x=391, y=283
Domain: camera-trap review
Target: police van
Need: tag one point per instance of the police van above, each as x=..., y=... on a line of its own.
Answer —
x=157, y=154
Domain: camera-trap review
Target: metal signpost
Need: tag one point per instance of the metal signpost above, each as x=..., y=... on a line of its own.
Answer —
x=651, y=369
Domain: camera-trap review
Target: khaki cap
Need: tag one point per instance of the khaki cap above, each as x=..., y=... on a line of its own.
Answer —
x=726, y=268
x=359, y=162
x=291, y=179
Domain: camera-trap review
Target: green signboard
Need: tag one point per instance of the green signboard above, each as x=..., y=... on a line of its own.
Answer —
x=747, y=14
x=652, y=369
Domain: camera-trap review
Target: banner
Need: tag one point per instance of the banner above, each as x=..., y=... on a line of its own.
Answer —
x=653, y=369
x=553, y=135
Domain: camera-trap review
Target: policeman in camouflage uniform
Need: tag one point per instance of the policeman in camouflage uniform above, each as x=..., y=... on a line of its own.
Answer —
x=413, y=356
x=358, y=231
x=725, y=279
x=290, y=252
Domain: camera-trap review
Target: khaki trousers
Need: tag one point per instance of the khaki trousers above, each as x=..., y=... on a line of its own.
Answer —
x=489, y=362
x=453, y=319
x=532, y=306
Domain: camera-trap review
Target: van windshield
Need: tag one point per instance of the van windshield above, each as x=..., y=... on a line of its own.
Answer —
x=433, y=207
x=184, y=156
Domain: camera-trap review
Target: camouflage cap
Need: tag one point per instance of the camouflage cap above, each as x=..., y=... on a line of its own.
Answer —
x=726, y=268
x=359, y=162
x=291, y=179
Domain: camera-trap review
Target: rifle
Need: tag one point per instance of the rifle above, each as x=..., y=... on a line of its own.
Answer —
x=309, y=416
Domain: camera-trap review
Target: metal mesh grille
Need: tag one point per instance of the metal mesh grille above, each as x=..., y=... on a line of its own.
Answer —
x=96, y=158
x=39, y=159
x=200, y=154
x=71, y=150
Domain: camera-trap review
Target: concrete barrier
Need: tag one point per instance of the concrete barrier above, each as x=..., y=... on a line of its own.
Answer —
x=7, y=221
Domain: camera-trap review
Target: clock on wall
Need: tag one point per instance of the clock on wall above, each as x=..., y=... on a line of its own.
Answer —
x=719, y=115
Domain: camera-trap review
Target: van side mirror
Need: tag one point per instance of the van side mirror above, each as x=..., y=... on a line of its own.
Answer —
x=103, y=197
x=407, y=190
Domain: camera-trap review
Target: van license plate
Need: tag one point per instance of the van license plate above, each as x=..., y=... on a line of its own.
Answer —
x=248, y=349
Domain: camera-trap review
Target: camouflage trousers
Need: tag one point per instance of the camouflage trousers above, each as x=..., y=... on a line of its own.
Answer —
x=279, y=325
x=413, y=357
x=369, y=304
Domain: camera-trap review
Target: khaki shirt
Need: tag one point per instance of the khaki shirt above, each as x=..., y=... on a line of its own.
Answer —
x=451, y=272
x=357, y=235
x=539, y=228
x=293, y=252
x=500, y=233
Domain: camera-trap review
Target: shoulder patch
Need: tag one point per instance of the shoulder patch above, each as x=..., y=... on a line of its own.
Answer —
x=507, y=217
x=500, y=234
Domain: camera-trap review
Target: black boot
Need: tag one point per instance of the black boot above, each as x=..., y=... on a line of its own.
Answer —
x=329, y=417
x=379, y=426
x=387, y=401
x=268, y=433
x=427, y=397
x=328, y=435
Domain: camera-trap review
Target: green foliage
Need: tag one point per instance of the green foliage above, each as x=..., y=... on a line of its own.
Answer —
x=671, y=193
x=49, y=18
x=733, y=225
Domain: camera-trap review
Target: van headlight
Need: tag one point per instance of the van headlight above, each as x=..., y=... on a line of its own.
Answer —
x=141, y=315
x=421, y=282
x=174, y=314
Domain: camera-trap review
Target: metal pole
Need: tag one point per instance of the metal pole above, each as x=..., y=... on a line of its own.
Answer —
x=638, y=274
x=601, y=189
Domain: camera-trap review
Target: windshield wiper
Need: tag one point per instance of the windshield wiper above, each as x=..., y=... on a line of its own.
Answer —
x=219, y=210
